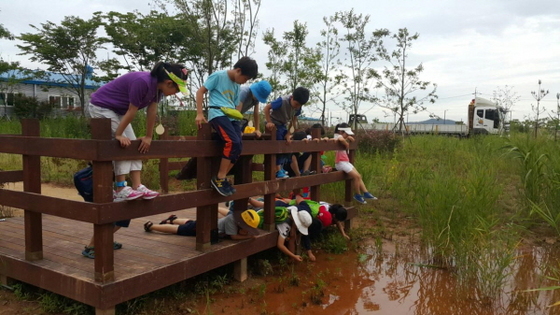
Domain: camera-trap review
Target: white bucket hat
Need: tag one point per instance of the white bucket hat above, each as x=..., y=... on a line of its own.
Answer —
x=302, y=219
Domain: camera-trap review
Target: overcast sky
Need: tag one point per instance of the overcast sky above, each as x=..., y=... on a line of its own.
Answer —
x=463, y=45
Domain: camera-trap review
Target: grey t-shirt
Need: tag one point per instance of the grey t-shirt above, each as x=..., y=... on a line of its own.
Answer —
x=246, y=99
x=282, y=111
x=227, y=225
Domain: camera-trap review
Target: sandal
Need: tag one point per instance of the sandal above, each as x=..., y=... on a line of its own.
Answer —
x=117, y=245
x=89, y=252
x=148, y=226
x=169, y=220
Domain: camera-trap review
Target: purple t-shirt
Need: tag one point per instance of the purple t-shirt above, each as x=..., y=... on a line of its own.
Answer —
x=136, y=88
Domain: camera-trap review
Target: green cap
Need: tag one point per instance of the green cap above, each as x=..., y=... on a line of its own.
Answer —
x=180, y=83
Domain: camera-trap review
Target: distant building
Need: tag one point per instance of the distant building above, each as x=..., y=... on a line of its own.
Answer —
x=51, y=88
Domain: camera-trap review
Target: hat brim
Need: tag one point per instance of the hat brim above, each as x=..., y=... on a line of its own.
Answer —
x=302, y=229
x=241, y=223
x=183, y=89
x=347, y=130
x=258, y=96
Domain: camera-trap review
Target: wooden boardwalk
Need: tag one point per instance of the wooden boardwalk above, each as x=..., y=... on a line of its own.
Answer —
x=147, y=261
x=43, y=248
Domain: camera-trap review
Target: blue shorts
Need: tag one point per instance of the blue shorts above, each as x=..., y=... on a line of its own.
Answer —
x=187, y=229
x=283, y=158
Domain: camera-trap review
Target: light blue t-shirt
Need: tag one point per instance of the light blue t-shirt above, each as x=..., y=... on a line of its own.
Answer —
x=223, y=92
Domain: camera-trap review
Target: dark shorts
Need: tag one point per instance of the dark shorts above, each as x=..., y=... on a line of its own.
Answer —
x=230, y=135
x=304, y=206
x=187, y=229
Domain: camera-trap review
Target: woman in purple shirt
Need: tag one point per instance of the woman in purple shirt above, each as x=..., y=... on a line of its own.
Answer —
x=119, y=100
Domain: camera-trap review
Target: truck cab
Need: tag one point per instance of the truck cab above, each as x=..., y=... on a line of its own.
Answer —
x=485, y=117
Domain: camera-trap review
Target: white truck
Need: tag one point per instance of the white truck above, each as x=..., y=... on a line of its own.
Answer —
x=484, y=117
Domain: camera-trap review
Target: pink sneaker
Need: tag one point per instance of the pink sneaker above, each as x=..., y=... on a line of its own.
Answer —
x=128, y=193
x=147, y=193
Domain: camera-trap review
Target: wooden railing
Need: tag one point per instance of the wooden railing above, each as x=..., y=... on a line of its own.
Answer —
x=101, y=150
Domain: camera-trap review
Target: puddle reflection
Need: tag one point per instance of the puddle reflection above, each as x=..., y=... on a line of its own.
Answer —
x=393, y=281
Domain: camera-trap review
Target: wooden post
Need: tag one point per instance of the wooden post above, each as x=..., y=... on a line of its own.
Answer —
x=206, y=216
x=103, y=193
x=348, y=190
x=164, y=168
x=110, y=311
x=33, y=221
x=315, y=191
x=269, y=174
x=240, y=270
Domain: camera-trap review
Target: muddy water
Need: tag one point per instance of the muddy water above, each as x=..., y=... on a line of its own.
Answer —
x=395, y=280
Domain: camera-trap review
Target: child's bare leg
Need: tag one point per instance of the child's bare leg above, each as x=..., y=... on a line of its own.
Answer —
x=256, y=203
x=165, y=228
x=307, y=163
x=223, y=211
x=180, y=221
x=116, y=228
x=225, y=167
x=135, y=179
x=356, y=181
x=295, y=166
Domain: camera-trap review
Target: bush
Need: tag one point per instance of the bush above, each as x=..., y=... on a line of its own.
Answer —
x=377, y=141
x=30, y=107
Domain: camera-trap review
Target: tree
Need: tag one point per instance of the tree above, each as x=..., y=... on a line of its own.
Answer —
x=68, y=49
x=291, y=60
x=538, y=95
x=506, y=98
x=401, y=83
x=360, y=55
x=219, y=34
x=329, y=48
x=144, y=40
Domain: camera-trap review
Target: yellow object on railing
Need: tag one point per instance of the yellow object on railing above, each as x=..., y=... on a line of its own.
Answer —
x=249, y=129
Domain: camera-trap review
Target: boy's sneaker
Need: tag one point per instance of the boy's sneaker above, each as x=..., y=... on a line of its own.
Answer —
x=127, y=193
x=222, y=189
x=148, y=194
x=281, y=174
x=229, y=187
x=360, y=199
x=368, y=195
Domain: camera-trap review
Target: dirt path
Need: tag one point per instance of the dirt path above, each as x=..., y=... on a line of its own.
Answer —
x=48, y=190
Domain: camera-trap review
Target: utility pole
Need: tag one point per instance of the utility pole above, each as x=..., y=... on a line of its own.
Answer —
x=445, y=111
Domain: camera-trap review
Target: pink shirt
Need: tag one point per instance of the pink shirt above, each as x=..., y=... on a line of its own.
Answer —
x=340, y=155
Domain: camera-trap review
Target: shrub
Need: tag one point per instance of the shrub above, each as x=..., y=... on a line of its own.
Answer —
x=30, y=107
x=377, y=141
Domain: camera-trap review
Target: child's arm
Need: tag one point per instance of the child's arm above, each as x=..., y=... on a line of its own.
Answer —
x=340, y=226
x=199, y=114
x=238, y=237
x=125, y=121
x=151, y=113
x=267, y=109
x=344, y=142
x=285, y=250
x=256, y=120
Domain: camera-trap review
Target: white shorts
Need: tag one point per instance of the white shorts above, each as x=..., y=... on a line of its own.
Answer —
x=120, y=167
x=344, y=166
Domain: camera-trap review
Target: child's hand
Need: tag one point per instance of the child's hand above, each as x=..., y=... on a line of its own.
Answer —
x=258, y=133
x=144, y=144
x=298, y=258
x=311, y=256
x=200, y=120
x=124, y=141
x=269, y=125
